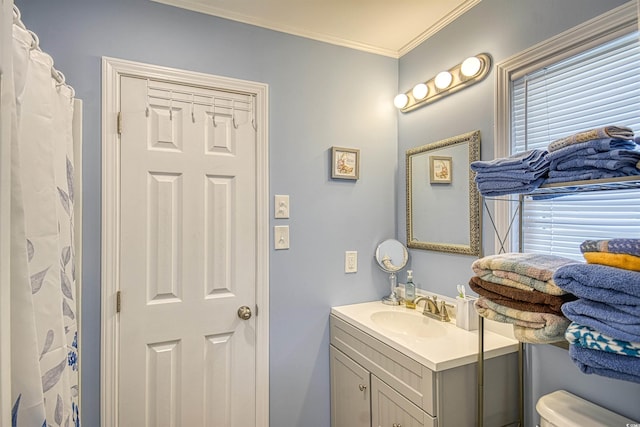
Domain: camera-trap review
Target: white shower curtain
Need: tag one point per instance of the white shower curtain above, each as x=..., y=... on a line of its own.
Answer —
x=44, y=327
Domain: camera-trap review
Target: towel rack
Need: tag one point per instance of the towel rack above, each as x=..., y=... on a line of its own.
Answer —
x=558, y=189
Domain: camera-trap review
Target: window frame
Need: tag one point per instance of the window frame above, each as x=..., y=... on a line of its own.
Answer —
x=599, y=30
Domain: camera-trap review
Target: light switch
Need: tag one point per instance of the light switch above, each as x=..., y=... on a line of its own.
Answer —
x=281, y=206
x=281, y=237
x=351, y=261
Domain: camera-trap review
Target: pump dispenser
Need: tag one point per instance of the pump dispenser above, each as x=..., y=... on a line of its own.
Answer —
x=409, y=291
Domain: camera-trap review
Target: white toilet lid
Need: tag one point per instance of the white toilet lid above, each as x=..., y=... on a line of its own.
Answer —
x=565, y=409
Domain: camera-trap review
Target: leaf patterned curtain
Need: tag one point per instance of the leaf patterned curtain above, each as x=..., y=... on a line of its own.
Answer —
x=44, y=329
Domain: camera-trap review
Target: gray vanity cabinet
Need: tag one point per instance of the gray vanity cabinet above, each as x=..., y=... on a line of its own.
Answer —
x=373, y=384
x=350, y=392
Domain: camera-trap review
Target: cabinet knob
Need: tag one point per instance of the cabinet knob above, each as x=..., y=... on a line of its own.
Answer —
x=396, y=425
x=363, y=387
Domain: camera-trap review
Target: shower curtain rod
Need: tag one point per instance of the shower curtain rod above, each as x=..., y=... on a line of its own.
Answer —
x=55, y=74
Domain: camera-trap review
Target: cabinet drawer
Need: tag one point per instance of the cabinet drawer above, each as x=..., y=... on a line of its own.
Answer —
x=390, y=409
x=411, y=379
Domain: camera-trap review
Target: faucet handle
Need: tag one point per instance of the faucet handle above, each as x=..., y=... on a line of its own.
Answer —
x=444, y=314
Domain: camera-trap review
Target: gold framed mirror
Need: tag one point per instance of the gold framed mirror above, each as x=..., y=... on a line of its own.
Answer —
x=443, y=203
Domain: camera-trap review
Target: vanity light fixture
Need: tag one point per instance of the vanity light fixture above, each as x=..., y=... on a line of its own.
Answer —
x=470, y=71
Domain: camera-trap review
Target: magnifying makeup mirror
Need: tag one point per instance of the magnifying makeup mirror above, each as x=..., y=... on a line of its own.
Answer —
x=392, y=256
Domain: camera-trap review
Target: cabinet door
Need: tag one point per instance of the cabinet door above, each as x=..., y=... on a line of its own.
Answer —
x=350, y=392
x=390, y=409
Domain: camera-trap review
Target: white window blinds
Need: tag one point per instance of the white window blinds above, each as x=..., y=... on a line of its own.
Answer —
x=598, y=87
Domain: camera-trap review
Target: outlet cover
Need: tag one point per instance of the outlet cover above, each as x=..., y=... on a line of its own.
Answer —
x=351, y=261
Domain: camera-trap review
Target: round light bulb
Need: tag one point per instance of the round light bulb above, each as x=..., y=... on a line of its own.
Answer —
x=470, y=66
x=420, y=91
x=443, y=79
x=401, y=100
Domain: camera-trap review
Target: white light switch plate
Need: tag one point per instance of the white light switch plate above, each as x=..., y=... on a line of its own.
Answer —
x=351, y=261
x=281, y=237
x=281, y=206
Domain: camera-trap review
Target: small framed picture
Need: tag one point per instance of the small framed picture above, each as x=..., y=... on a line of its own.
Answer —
x=345, y=163
x=440, y=169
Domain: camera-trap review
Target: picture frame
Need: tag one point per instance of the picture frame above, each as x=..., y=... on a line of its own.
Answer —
x=440, y=169
x=345, y=163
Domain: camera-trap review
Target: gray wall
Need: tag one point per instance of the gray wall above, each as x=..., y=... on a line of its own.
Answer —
x=501, y=28
x=320, y=95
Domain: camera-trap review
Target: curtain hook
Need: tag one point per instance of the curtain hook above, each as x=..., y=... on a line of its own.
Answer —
x=193, y=114
x=35, y=42
x=146, y=110
x=213, y=111
x=233, y=114
x=171, y=104
x=253, y=112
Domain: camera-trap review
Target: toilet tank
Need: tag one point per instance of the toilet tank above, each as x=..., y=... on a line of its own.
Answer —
x=563, y=409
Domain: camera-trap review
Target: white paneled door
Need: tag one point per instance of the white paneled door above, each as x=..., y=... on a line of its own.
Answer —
x=186, y=355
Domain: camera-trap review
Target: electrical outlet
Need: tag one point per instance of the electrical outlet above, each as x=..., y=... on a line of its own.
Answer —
x=351, y=261
x=281, y=237
x=281, y=206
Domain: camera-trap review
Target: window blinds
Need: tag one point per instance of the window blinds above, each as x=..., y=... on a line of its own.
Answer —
x=598, y=87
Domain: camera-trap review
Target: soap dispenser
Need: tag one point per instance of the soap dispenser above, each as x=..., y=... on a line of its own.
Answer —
x=409, y=291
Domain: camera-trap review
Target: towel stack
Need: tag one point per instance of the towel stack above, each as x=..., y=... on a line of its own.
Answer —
x=605, y=329
x=519, y=173
x=606, y=152
x=518, y=288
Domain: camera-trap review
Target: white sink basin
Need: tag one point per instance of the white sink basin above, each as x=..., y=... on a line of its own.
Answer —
x=408, y=324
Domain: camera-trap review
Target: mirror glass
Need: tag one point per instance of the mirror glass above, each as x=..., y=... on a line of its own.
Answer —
x=392, y=256
x=443, y=204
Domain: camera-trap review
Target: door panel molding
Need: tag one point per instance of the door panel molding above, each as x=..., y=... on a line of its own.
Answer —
x=112, y=71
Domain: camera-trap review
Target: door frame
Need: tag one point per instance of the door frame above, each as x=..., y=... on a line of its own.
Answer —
x=112, y=70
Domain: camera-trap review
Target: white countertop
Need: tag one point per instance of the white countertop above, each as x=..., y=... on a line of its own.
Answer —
x=447, y=347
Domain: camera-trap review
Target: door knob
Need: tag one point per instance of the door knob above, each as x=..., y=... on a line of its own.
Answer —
x=244, y=313
x=362, y=387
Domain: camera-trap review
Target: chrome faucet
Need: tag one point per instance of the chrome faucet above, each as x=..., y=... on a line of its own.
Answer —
x=431, y=308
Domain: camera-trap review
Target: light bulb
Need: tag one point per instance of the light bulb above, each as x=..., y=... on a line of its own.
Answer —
x=401, y=100
x=443, y=79
x=470, y=66
x=420, y=91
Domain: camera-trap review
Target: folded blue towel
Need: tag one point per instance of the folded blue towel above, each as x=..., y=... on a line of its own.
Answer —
x=588, y=337
x=588, y=174
x=614, y=246
x=621, y=322
x=527, y=160
x=501, y=188
x=600, y=283
x=610, y=164
x=605, y=364
x=511, y=175
x=591, y=147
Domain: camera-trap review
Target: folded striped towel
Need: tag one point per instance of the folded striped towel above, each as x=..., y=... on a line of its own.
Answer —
x=605, y=364
x=588, y=337
x=533, y=270
x=501, y=188
x=621, y=322
x=618, y=132
x=600, y=283
x=528, y=326
x=625, y=261
x=615, y=246
x=585, y=175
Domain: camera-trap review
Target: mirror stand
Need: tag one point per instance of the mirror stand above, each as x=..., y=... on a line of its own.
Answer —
x=393, y=298
x=392, y=256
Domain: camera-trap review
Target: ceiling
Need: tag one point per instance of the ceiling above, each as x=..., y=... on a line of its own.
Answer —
x=385, y=27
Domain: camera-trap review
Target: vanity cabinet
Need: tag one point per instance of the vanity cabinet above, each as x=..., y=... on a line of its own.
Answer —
x=374, y=384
